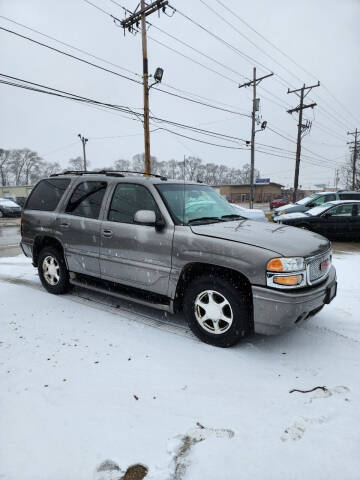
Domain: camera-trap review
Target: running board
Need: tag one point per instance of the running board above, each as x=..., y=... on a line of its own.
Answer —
x=97, y=287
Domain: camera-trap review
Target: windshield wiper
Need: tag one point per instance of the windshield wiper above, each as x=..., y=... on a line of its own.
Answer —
x=233, y=216
x=205, y=219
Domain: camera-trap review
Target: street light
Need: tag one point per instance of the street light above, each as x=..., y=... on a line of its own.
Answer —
x=159, y=72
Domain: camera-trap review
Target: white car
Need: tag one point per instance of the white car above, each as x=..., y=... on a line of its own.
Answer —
x=252, y=214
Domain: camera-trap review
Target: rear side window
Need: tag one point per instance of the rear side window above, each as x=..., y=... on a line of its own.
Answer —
x=349, y=196
x=86, y=199
x=47, y=194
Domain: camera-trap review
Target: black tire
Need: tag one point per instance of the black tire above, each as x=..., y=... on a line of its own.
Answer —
x=58, y=285
x=239, y=308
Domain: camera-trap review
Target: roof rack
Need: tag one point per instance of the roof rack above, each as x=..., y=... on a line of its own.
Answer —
x=109, y=173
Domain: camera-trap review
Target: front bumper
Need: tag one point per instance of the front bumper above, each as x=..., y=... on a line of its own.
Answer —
x=279, y=310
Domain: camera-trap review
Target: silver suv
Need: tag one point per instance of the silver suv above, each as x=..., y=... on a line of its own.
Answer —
x=175, y=246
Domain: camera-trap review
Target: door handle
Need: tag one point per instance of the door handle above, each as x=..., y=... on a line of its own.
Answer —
x=107, y=233
x=64, y=225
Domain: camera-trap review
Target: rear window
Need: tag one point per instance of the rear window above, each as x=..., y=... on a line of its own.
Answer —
x=47, y=194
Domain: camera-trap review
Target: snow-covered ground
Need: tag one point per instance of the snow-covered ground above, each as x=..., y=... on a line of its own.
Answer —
x=84, y=379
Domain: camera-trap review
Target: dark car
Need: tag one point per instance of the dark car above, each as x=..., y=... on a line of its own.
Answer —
x=278, y=202
x=8, y=208
x=339, y=219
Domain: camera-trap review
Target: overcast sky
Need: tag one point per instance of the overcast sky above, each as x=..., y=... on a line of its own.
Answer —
x=321, y=36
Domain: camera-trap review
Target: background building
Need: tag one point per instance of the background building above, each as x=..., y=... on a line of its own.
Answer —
x=241, y=193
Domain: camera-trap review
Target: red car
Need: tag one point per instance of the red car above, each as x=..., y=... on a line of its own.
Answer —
x=278, y=202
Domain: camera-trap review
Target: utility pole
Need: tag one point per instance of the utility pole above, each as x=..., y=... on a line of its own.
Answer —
x=304, y=90
x=254, y=82
x=83, y=141
x=131, y=23
x=355, y=150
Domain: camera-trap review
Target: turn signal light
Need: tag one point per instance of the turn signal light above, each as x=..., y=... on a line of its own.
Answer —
x=290, y=280
x=275, y=265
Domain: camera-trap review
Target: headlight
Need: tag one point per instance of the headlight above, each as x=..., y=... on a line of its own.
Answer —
x=286, y=264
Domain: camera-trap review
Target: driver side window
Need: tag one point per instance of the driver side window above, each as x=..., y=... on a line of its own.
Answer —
x=127, y=199
x=318, y=201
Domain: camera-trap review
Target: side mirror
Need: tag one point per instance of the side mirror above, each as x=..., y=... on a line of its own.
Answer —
x=148, y=217
x=311, y=205
x=145, y=217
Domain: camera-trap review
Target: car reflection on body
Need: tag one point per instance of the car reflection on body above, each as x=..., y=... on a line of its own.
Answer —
x=339, y=219
x=251, y=214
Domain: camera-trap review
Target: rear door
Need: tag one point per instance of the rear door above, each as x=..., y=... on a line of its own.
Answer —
x=133, y=254
x=78, y=227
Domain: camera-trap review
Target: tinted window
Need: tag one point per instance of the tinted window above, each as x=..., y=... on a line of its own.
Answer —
x=349, y=196
x=47, y=194
x=86, y=199
x=330, y=198
x=127, y=200
x=341, y=210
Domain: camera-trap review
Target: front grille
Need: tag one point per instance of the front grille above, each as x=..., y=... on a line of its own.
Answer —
x=315, y=272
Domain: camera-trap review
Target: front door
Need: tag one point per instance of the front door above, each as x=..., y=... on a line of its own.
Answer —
x=133, y=254
x=338, y=221
x=78, y=227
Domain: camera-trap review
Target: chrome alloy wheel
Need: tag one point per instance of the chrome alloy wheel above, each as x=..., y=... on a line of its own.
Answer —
x=51, y=270
x=213, y=312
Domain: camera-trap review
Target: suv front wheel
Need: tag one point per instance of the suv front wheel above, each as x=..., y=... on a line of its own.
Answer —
x=217, y=312
x=52, y=271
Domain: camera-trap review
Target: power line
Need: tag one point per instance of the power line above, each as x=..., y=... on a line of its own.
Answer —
x=118, y=74
x=281, y=51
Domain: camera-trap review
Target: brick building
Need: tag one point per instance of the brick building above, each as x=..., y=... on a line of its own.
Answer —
x=240, y=193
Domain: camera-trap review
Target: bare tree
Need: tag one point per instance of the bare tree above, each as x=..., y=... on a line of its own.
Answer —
x=4, y=166
x=77, y=163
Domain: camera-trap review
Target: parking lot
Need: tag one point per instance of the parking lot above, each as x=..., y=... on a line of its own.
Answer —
x=105, y=380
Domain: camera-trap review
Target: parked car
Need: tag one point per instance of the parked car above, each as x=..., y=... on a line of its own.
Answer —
x=315, y=200
x=8, y=208
x=335, y=220
x=278, y=202
x=251, y=213
x=144, y=239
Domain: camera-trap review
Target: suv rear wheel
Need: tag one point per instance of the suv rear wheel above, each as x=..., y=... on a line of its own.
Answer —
x=52, y=271
x=217, y=312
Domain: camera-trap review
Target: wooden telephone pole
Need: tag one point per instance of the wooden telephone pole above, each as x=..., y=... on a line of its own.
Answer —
x=83, y=141
x=135, y=19
x=254, y=82
x=355, y=146
x=304, y=90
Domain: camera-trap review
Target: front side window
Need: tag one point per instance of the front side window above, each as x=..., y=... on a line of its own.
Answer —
x=189, y=203
x=128, y=198
x=86, y=199
x=341, y=211
x=47, y=194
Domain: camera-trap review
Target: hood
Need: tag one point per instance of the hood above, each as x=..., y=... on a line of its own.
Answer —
x=8, y=203
x=285, y=207
x=292, y=216
x=281, y=239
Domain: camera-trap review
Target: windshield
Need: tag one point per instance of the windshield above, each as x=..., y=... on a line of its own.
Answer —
x=319, y=209
x=187, y=203
x=306, y=199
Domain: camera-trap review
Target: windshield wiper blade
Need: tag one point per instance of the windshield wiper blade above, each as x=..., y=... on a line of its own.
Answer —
x=233, y=215
x=205, y=219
